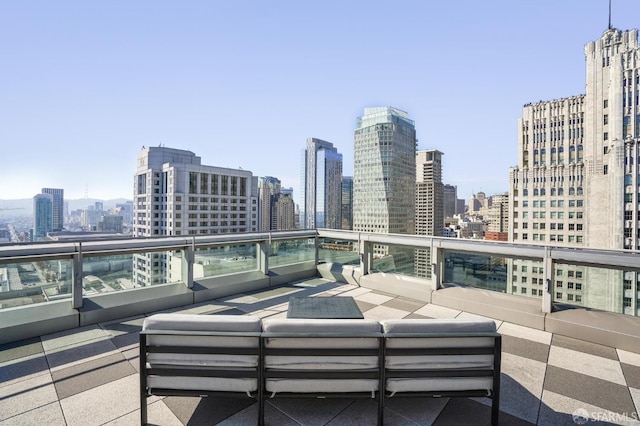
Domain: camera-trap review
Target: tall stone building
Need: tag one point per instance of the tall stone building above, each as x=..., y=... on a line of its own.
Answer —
x=384, y=174
x=429, y=204
x=175, y=194
x=450, y=200
x=321, y=186
x=576, y=183
x=268, y=189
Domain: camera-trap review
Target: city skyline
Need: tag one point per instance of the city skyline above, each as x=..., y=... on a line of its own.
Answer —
x=87, y=86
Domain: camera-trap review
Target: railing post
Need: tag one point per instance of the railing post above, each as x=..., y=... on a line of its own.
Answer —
x=437, y=261
x=547, y=264
x=188, y=258
x=264, y=248
x=76, y=284
x=366, y=254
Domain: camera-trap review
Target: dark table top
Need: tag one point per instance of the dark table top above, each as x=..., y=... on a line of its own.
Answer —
x=323, y=307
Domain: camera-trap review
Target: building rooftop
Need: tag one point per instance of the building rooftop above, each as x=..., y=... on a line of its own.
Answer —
x=89, y=375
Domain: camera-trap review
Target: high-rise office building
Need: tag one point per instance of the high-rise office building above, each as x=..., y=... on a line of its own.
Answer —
x=450, y=200
x=284, y=211
x=384, y=172
x=321, y=186
x=577, y=177
x=174, y=194
x=496, y=215
x=347, y=202
x=42, y=216
x=429, y=207
x=57, y=195
x=269, y=189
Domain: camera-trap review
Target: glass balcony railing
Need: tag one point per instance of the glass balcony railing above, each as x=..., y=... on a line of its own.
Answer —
x=561, y=278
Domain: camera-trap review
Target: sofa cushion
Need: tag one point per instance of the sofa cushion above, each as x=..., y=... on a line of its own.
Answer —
x=205, y=323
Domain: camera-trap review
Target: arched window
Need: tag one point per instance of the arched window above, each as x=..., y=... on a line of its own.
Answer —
x=579, y=190
x=543, y=191
x=553, y=191
x=525, y=192
x=572, y=191
x=535, y=192
x=560, y=191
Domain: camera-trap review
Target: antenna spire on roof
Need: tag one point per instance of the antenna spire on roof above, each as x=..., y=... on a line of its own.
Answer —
x=609, y=14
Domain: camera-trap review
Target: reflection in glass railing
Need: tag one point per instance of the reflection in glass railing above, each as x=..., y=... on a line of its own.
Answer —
x=400, y=260
x=338, y=251
x=223, y=260
x=287, y=252
x=105, y=274
x=594, y=288
x=34, y=282
x=486, y=272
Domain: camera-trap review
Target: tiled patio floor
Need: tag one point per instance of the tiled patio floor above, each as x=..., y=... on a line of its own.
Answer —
x=88, y=376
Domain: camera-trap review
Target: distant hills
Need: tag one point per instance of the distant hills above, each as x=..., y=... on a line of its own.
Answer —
x=24, y=206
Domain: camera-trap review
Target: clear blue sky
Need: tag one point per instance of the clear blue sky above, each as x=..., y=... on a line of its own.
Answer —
x=85, y=84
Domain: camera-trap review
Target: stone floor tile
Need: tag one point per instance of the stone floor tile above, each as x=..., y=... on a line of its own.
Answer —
x=635, y=395
x=365, y=306
x=585, y=363
x=521, y=384
x=357, y=291
x=114, y=399
x=522, y=332
x=525, y=348
x=471, y=317
x=50, y=415
x=464, y=411
x=91, y=374
x=404, y=304
x=157, y=414
x=584, y=347
x=123, y=326
x=382, y=312
x=206, y=411
x=375, y=298
x=422, y=411
x=20, y=349
x=631, y=374
x=435, y=311
x=75, y=336
x=588, y=389
x=126, y=341
x=78, y=353
x=630, y=358
x=26, y=395
x=20, y=369
x=311, y=411
x=363, y=412
x=559, y=410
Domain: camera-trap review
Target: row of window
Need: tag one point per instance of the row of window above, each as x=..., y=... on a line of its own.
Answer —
x=552, y=237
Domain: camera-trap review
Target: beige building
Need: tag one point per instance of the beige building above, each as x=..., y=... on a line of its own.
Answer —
x=576, y=183
x=429, y=204
x=174, y=194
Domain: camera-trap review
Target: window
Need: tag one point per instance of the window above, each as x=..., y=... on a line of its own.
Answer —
x=558, y=284
x=605, y=103
x=605, y=136
x=558, y=295
x=605, y=119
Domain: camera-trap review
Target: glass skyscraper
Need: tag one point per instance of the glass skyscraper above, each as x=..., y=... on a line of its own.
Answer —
x=321, y=186
x=384, y=172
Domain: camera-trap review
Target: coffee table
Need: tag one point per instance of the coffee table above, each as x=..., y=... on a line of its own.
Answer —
x=339, y=307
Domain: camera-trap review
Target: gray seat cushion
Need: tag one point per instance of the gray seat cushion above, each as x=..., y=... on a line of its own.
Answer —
x=203, y=323
x=304, y=329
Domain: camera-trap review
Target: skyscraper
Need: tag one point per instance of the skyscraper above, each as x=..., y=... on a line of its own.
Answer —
x=450, y=200
x=429, y=197
x=577, y=177
x=57, y=195
x=269, y=189
x=42, y=216
x=321, y=186
x=384, y=172
x=174, y=194
x=347, y=202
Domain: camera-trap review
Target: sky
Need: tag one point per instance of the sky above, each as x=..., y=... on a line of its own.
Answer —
x=84, y=85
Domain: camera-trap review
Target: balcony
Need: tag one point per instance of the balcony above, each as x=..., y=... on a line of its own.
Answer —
x=71, y=358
